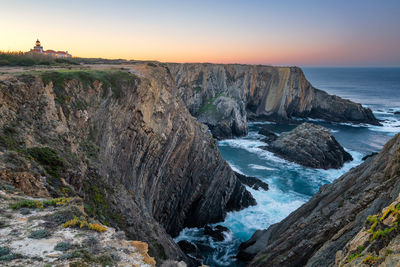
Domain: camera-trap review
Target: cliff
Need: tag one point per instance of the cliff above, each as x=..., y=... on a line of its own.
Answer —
x=121, y=139
x=225, y=96
x=314, y=233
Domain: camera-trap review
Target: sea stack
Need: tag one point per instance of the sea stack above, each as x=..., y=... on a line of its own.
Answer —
x=310, y=145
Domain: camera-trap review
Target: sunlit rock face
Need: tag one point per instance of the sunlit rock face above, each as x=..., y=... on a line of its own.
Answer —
x=225, y=97
x=123, y=141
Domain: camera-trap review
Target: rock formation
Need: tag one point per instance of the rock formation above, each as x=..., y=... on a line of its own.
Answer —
x=310, y=145
x=252, y=182
x=225, y=96
x=122, y=140
x=41, y=232
x=269, y=136
x=315, y=232
x=377, y=243
x=217, y=232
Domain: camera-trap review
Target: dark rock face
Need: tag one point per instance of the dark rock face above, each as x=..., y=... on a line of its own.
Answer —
x=239, y=198
x=310, y=145
x=397, y=113
x=187, y=247
x=225, y=96
x=312, y=234
x=269, y=136
x=217, y=233
x=370, y=155
x=191, y=250
x=129, y=146
x=253, y=182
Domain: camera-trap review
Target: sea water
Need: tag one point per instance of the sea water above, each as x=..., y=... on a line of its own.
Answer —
x=290, y=184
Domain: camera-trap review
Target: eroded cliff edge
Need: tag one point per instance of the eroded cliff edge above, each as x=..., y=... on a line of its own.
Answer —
x=122, y=140
x=314, y=233
x=225, y=97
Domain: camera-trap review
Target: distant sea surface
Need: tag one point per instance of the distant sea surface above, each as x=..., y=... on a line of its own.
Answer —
x=291, y=185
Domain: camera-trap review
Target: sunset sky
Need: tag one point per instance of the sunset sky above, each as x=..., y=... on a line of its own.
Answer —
x=305, y=33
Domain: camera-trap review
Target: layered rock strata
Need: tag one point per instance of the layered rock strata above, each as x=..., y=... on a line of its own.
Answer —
x=314, y=233
x=310, y=145
x=225, y=96
x=122, y=140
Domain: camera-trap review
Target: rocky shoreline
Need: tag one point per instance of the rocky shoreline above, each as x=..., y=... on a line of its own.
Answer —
x=124, y=140
x=316, y=234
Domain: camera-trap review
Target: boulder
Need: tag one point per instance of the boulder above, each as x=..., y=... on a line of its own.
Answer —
x=253, y=182
x=269, y=136
x=310, y=145
x=217, y=233
x=187, y=247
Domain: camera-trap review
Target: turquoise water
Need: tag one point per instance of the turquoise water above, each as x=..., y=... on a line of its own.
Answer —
x=291, y=185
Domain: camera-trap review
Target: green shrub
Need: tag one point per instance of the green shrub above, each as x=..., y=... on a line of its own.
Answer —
x=3, y=224
x=10, y=257
x=4, y=251
x=26, y=203
x=62, y=246
x=49, y=159
x=24, y=211
x=39, y=234
x=31, y=59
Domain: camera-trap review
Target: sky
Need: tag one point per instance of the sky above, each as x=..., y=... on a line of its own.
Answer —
x=273, y=32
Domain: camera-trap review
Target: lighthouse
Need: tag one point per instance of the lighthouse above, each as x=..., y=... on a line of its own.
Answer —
x=37, y=48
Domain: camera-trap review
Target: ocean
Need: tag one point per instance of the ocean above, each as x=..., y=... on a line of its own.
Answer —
x=290, y=184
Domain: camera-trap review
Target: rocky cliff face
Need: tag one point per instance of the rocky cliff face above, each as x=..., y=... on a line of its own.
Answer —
x=314, y=233
x=122, y=140
x=377, y=243
x=225, y=96
x=310, y=145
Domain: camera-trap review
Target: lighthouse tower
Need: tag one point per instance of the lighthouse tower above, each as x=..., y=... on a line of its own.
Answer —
x=38, y=47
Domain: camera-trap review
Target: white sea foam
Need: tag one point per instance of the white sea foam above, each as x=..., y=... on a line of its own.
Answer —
x=260, y=122
x=390, y=126
x=259, y=167
x=252, y=146
x=235, y=168
x=272, y=206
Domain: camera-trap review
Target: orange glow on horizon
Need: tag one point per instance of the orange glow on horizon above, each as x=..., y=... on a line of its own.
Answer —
x=238, y=36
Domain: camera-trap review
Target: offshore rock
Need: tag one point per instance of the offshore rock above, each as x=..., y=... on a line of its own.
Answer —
x=310, y=145
x=269, y=136
x=217, y=232
x=252, y=182
x=225, y=96
x=314, y=233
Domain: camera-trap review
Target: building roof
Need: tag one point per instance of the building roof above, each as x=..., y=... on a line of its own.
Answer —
x=54, y=52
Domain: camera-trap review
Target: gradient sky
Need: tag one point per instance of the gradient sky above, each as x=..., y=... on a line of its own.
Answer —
x=280, y=32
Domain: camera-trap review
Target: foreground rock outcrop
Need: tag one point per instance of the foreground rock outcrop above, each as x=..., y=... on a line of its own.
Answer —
x=123, y=141
x=225, y=96
x=377, y=243
x=314, y=233
x=40, y=232
x=310, y=145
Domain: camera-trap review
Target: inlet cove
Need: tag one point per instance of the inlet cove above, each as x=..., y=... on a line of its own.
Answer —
x=139, y=163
